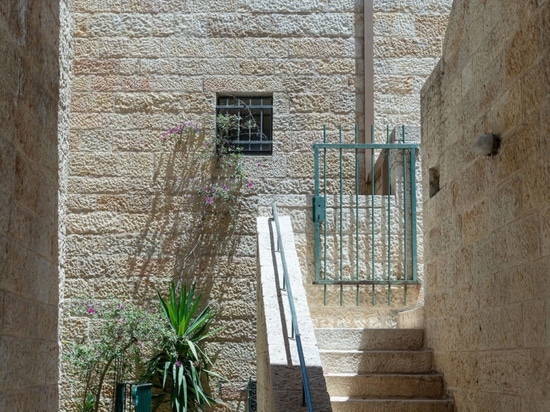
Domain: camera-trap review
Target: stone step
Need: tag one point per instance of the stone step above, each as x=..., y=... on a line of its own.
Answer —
x=380, y=386
x=363, y=362
x=369, y=339
x=344, y=404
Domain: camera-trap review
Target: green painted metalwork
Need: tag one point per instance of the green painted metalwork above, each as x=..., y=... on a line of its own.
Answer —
x=388, y=189
x=120, y=397
x=414, y=255
x=373, y=291
x=142, y=397
x=357, y=215
x=325, y=226
x=405, y=243
x=252, y=399
x=341, y=209
x=350, y=224
x=319, y=209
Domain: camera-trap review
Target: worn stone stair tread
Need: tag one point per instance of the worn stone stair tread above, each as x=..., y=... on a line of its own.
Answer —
x=380, y=361
x=380, y=370
x=369, y=339
x=373, y=350
x=381, y=400
x=347, y=404
x=385, y=385
x=385, y=374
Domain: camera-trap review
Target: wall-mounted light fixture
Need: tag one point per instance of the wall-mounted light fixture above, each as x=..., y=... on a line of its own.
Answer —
x=486, y=145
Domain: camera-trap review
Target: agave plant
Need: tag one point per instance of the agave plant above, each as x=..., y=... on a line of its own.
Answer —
x=181, y=367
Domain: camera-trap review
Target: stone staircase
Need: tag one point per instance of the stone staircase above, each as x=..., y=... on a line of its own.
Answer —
x=380, y=370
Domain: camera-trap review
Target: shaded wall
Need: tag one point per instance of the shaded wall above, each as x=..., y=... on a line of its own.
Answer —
x=29, y=88
x=486, y=230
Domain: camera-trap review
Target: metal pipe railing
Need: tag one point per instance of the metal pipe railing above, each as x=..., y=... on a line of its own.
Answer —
x=295, y=329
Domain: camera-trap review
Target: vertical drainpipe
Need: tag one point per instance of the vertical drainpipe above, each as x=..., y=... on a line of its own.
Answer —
x=368, y=55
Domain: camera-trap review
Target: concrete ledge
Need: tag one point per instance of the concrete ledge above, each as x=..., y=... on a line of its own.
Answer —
x=411, y=319
x=279, y=386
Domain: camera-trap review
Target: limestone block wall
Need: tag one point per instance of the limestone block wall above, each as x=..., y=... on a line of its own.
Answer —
x=29, y=296
x=407, y=39
x=486, y=230
x=142, y=67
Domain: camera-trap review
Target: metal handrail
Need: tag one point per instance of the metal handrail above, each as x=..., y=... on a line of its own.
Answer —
x=296, y=330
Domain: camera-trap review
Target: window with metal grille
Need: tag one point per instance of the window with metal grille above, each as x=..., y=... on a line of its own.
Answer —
x=254, y=115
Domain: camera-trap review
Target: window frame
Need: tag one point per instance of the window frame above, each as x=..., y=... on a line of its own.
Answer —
x=245, y=107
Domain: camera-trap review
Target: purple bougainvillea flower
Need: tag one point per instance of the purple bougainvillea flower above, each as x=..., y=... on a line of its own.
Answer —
x=178, y=363
x=250, y=184
x=209, y=200
x=91, y=310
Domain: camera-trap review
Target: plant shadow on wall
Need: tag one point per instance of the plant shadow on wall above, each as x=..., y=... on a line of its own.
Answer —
x=201, y=227
x=204, y=198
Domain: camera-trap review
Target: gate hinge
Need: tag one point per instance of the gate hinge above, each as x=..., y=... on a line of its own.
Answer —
x=319, y=209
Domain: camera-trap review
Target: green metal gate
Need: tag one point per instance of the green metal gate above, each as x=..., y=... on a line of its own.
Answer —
x=365, y=222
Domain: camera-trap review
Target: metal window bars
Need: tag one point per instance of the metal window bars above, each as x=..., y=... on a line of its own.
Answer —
x=255, y=132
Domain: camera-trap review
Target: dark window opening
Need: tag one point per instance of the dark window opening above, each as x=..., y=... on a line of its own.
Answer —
x=254, y=116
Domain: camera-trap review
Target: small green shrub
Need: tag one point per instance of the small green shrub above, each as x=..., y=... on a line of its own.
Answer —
x=120, y=334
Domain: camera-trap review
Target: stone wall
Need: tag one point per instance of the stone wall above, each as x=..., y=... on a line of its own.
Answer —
x=486, y=230
x=134, y=222
x=29, y=296
x=142, y=67
x=407, y=38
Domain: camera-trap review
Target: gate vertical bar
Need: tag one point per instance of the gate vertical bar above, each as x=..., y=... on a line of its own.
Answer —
x=405, y=220
x=341, y=267
x=316, y=222
x=388, y=176
x=373, y=294
x=325, y=223
x=356, y=215
x=413, y=213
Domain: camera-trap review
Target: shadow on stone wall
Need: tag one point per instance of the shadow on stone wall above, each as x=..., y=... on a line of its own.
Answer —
x=187, y=240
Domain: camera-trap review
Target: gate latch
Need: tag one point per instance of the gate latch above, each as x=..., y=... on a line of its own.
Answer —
x=319, y=209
